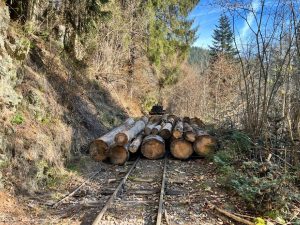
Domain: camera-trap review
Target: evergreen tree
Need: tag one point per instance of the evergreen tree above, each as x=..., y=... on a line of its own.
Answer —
x=170, y=30
x=170, y=35
x=223, y=39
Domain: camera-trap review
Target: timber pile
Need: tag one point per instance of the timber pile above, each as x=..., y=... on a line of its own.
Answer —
x=150, y=136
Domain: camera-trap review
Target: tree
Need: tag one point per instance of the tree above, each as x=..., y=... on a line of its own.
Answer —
x=223, y=39
x=170, y=30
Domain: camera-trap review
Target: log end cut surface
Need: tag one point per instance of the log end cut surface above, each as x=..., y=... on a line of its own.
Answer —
x=181, y=149
x=153, y=148
x=121, y=139
x=190, y=136
x=177, y=134
x=98, y=150
x=118, y=155
x=205, y=145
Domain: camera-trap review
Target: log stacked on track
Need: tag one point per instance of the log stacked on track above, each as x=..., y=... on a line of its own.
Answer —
x=178, y=129
x=153, y=122
x=189, y=133
x=149, y=135
x=153, y=147
x=136, y=143
x=204, y=145
x=99, y=148
x=118, y=155
x=181, y=148
x=166, y=130
x=122, y=138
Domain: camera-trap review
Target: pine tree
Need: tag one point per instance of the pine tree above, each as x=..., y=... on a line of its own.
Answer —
x=170, y=29
x=223, y=39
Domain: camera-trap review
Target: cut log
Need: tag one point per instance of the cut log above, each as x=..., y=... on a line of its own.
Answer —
x=118, y=155
x=99, y=147
x=136, y=143
x=150, y=126
x=122, y=138
x=188, y=132
x=155, y=119
x=186, y=119
x=196, y=121
x=153, y=147
x=205, y=145
x=181, y=149
x=172, y=119
x=166, y=131
x=157, y=129
x=178, y=130
x=164, y=118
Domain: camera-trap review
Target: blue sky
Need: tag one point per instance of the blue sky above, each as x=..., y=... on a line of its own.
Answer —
x=206, y=18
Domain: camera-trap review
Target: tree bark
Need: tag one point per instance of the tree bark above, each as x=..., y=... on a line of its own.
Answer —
x=157, y=129
x=186, y=119
x=166, y=131
x=196, y=121
x=150, y=126
x=126, y=136
x=136, y=143
x=181, y=149
x=118, y=155
x=178, y=130
x=99, y=148
x=188, y=132
x=153, y=147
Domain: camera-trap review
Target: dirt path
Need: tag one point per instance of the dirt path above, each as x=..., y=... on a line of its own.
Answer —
x=188, y=184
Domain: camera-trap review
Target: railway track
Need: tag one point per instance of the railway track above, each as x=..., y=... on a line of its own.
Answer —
x=137, y=199
x=164, y=191
x=135, y=189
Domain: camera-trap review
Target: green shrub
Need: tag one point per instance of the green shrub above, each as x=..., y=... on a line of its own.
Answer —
x=148, y=102
x=224, y=157
x=262, y=190
x=241, y=140
x=17, y=119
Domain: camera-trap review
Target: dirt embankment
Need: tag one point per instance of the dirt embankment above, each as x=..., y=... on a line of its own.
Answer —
x=51, y=107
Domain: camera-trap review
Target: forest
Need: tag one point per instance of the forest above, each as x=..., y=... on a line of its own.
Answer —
x=73, y=72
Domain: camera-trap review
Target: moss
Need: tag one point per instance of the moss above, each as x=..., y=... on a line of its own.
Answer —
x=17, y=119
x=49, y=176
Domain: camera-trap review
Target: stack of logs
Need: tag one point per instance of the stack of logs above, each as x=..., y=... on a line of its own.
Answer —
x=150, y=135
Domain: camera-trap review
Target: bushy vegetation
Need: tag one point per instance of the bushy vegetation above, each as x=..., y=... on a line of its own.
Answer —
x=262, y=186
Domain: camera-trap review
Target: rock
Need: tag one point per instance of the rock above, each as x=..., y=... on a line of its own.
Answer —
x=9, y=98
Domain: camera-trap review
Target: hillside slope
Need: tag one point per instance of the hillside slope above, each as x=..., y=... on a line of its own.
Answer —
x=51, y=108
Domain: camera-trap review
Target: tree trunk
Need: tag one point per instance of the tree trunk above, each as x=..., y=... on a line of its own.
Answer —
x=181, y=149
x=99, y=147
x=118, y=155
x=205, y=144
x=136, y=143
x=153, y=147
x=188, y=132
x=126, y=136
x=178, y=130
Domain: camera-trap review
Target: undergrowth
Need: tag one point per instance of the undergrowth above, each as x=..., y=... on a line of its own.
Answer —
x=48, y=176
x=262, y=186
